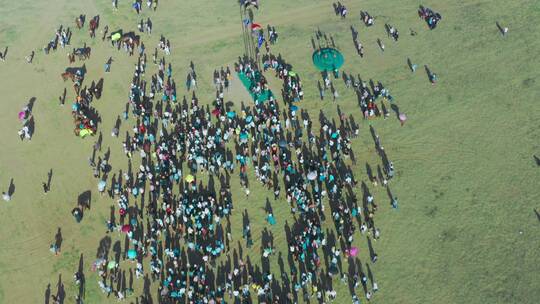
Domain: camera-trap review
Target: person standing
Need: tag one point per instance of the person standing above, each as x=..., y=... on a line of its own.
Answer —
x=108, y=65
x=6, y=197
x=30, y=57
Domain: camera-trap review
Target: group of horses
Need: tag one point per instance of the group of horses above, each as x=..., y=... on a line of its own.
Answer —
x=75, y=74
x=82, y=53
x=92, y=25
x=82, y=115
x=130, y=39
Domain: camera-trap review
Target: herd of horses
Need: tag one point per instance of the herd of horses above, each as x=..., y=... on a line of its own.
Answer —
x=129, y=39
x=83, y=114
x=75, y=74
x=92, y=26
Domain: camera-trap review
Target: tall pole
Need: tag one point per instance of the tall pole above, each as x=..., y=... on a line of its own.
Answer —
x=246, y=50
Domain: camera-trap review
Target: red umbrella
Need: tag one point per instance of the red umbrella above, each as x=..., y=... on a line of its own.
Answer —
x=126, y=228
x=353, y=251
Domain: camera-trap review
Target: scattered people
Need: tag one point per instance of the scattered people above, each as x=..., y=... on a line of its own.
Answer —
x=431, y=17
x=108, y=65
x=431, y=76
x=380, y=44
x=3, y=54
x=6, y=197
x=392, y=32
x=502, y=30
x=173, y=203
x=367, y=18
x=30, y=57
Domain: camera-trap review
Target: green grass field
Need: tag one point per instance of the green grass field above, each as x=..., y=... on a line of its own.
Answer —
x=467, y=182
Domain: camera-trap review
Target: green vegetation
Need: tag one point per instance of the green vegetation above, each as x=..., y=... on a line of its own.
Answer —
x=465, y=230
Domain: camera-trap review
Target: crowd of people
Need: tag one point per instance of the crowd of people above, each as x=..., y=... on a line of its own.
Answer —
x=181, y=224
x=174, y=203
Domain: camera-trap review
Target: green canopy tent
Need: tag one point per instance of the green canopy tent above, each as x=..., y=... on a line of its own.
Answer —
x=249, y=83
x=328, y=59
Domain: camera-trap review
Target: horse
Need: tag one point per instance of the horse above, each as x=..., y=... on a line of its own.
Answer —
x=131, y=39
x=79, y=21
x=93, y=25
x=83, y=53
x=68, y=74
x=71, y=58
x=74, y=74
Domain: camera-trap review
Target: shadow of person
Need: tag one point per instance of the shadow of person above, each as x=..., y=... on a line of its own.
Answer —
x=84, y=199
x=245, y=218
x=103, y=249
x=537, y=160
x=11, y=188
x=31, y=126
x=81, y=277
x=117, y=249
x=537, y=214
x=387, y=28
x=61, y=293
x=370, y=274
x=372, y=253
x=395, y=108
x=99, y=88
x=49, y=178
x=58, y=239
x=501, y=30
x=369, y=172
x=268, y=207
x=351, y=273
x=389, y=193
x=48, y=294
x=31, y=103
x=409, y=64
x=428, y=72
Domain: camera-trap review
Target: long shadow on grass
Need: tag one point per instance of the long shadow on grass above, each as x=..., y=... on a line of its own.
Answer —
x=537, y=214
x=11, y=188
x=84, y=200
x=48, y=294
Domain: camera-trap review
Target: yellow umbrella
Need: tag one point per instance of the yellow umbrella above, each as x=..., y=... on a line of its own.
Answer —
x=190, y=178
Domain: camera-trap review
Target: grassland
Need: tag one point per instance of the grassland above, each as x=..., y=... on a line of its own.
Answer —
x=467, y=182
